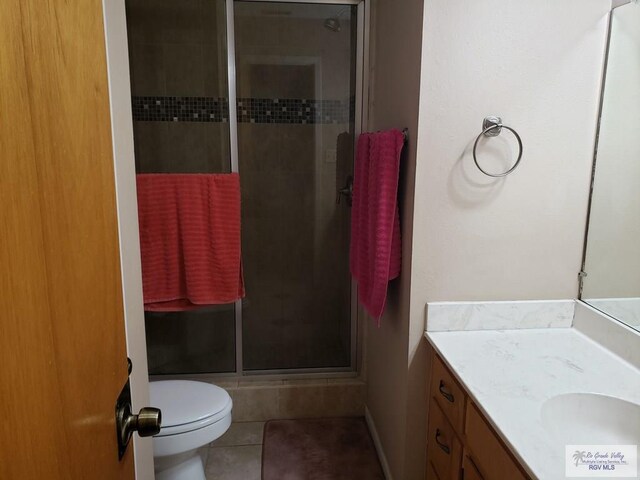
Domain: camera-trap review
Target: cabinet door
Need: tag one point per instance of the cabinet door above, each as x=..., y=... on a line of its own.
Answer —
x=488, y=451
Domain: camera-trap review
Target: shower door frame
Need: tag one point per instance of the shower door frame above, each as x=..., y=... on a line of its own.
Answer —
x=361, y=111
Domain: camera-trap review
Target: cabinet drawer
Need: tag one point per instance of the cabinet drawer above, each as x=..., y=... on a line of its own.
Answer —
x=448, y=393
x=470, y=470
x=489, y=455
x=444, y=448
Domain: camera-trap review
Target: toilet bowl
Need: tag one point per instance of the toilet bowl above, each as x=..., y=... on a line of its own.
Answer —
x=193, y=415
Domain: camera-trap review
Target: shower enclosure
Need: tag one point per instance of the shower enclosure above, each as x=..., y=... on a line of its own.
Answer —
x=272, y=90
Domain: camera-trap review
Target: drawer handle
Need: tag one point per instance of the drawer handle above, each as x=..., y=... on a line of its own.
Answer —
x=445, y=393
x=443, y=446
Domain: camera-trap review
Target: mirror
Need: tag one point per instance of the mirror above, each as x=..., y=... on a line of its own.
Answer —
x=612, y=250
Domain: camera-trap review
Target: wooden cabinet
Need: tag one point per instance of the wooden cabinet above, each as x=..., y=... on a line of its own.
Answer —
x=461, y=444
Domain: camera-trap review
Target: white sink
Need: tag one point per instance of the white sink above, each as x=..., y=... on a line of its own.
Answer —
x=591, y=419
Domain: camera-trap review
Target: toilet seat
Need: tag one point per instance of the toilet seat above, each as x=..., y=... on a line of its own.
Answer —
x=189, y=427
x=187, y=405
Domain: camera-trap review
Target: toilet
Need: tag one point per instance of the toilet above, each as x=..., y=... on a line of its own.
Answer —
x=193, y=415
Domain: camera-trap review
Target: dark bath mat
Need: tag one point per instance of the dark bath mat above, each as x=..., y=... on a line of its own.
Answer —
x=319, y=449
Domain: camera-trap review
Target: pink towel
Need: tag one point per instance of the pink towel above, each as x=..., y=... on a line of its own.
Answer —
x=375, y=255
x=189, y=240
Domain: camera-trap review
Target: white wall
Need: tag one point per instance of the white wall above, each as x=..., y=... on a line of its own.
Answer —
x=613, y=251
x=394, y=89
x=122, y=132
x=537, y=64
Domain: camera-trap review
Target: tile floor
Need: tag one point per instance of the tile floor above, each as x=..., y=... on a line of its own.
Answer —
x=237, y=455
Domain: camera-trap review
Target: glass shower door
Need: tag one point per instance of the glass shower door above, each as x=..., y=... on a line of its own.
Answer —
x=292, y=113
x=296, y=90
x=178, y=61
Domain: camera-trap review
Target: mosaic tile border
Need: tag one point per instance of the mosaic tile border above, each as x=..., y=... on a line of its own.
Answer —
x=180, y=109
x=250, y=110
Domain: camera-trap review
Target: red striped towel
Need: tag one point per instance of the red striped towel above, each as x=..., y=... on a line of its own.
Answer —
x=375, y=252
x=189, y=240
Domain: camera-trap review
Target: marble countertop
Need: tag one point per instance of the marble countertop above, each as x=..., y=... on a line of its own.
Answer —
x=510, y=374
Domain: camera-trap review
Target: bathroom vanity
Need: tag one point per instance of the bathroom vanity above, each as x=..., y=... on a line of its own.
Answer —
x=506, y=400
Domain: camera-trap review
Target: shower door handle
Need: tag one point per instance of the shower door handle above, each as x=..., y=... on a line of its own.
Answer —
x=346, y=191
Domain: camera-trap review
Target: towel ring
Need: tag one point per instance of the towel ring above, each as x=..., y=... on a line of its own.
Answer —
x=491, y=127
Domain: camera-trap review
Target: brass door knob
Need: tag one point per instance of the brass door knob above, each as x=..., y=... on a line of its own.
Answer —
x=147, y=422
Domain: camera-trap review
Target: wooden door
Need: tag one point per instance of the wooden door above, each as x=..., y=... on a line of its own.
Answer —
x=62, y=338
